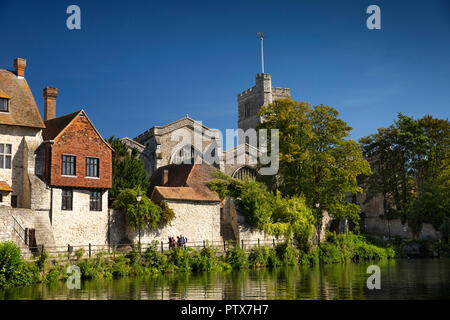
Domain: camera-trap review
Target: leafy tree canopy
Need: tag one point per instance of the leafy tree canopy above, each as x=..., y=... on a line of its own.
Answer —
x=128, y=170
x=411, y=162
x=317, y=158
x=264, y=210
x=151, y=215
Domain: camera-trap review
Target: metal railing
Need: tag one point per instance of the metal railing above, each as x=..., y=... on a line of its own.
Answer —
x=92, y=250
x=19, y=230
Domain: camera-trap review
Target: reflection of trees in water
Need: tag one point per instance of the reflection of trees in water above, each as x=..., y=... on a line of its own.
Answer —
x=415, y=279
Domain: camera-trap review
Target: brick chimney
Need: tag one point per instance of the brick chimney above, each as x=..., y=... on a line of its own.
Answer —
x=165, y=178
x=50, y=95
x=20, y=65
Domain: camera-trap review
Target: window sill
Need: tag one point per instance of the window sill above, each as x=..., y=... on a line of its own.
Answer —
x=68, y=176
x=95, y=178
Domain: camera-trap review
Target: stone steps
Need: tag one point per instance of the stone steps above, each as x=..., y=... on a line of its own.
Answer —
x=7, y=233
x=44, y=231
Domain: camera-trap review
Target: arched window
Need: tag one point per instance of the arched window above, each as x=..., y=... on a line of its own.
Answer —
x=245, y=172
x=185, y=155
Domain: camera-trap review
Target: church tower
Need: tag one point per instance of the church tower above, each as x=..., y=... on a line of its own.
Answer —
x=251, y=100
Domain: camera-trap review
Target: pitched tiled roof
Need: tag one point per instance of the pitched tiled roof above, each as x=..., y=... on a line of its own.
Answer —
x=54, y=126
x=23, y=110
x=186, y=182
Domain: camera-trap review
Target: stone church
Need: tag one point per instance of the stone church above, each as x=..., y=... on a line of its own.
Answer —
x=179, y=171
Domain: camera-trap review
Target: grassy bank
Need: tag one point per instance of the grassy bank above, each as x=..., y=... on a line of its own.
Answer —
x=15, y=271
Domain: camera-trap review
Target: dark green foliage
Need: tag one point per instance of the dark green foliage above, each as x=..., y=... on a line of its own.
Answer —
x=181, y=258
x=346, y=247
x=206, y=260
x=287, y=254
x=14, y=271
x=317, y=159
x=11, y=261
x=167, y=214
x=236, y=258
x=151, y=214
x=340, y=248
x=411, y=164
x=128, y=170
x=43, y=257
x=268, y=211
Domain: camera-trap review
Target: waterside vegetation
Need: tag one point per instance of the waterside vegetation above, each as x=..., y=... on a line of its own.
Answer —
x=341, y=248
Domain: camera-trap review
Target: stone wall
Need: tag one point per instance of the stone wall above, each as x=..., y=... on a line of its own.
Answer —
x=195, y=220
x=394, y=227
x=242, y=230
x=26, y=219
x=24, y=143
x=79, y=226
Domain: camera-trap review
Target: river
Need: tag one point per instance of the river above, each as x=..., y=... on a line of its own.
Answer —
x=400, y=279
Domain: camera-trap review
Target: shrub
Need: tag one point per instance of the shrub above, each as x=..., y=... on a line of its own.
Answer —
x=150, y=213
x=287, y=254
x=206, y=260
x=167, y=214
x=120, y=267
x=346, y=247
x=43, y=257
x=309, y=258
x=181, y=259
x=237, y=258
x=154, y=259
x=79, y=253
x=11, y=260
x=264, y=210
x=258, y=257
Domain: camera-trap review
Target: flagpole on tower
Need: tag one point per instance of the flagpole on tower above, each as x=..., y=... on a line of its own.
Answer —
x=261, y=36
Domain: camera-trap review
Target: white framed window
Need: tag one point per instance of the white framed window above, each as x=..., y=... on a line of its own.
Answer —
x=5, y=156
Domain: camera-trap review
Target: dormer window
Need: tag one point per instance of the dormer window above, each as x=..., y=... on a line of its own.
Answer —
x=4, y=105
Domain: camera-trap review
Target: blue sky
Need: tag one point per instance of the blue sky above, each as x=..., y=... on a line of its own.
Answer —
x=136, y=64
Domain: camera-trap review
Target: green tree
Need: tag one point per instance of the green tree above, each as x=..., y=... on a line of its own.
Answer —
x=128, y=170
x=264, y=210
x=411, y=169
x=317, y=159
x=150, y=213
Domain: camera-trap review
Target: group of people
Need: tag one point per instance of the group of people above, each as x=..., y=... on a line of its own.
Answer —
x=180, y=242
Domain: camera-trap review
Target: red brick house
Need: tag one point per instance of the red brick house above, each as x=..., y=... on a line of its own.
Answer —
x=54, y=174
x=78, y=171
x=76, y=154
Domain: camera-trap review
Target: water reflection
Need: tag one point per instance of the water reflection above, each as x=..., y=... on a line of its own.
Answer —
x=402, y=279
